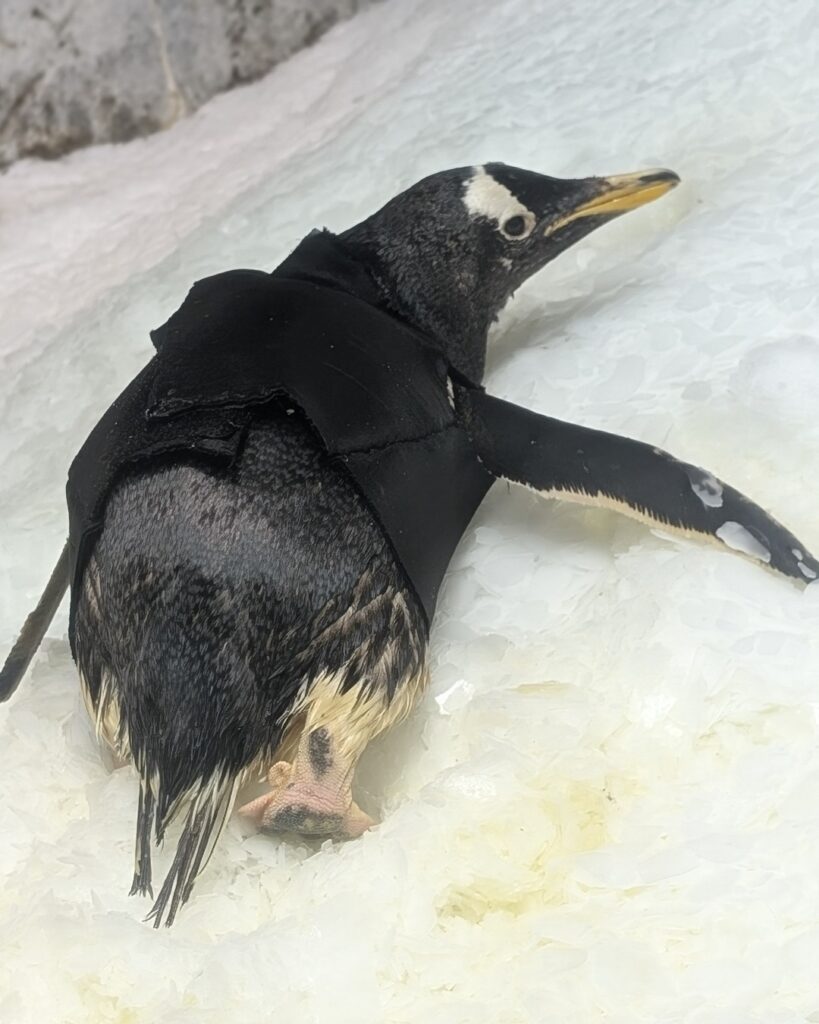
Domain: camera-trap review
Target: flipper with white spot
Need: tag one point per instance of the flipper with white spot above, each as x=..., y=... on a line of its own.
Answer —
x=564, y=460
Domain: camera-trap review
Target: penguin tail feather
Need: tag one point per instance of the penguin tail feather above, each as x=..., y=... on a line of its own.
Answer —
x=211, y=802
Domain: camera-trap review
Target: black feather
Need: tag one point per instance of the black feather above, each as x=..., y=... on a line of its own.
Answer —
x=218, y=596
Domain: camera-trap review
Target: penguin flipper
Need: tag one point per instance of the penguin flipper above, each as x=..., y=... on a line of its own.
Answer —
x=34, y=628
x=564, y=460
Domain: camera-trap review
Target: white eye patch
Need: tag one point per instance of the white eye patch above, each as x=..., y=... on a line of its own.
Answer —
x=486, y=197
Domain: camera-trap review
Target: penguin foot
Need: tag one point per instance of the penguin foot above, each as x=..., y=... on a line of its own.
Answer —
x=312, y=796
x=308, y=809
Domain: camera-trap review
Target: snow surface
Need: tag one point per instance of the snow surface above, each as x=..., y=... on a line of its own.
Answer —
x=607, y=807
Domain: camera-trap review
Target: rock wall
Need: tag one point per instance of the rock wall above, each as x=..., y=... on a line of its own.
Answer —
x=73, y=72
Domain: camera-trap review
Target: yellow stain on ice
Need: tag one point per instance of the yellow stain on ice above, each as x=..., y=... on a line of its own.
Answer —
x=529, y=872
x=104, y=1007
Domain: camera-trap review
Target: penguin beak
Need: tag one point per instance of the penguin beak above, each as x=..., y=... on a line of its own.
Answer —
x=617, y=194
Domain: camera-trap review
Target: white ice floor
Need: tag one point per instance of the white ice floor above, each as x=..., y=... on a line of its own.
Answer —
x=607, y=808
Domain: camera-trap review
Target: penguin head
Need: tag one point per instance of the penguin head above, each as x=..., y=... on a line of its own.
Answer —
x=450, y=251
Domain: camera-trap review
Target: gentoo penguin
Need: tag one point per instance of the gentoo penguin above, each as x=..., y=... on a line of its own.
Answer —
x=259, y=524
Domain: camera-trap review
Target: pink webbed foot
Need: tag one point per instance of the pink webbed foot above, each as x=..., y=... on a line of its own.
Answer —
x=312, y=796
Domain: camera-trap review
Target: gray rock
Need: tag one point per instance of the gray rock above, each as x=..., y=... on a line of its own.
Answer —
x=73, y=72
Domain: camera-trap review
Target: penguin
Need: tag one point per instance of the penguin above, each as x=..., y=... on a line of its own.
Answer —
x=260, y=523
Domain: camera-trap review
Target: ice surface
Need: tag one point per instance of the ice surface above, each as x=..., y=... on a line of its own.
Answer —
x=616, y=816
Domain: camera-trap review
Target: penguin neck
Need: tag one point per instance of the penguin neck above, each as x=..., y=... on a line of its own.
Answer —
x=453, y=310
x=443, y=309
x=450, y=319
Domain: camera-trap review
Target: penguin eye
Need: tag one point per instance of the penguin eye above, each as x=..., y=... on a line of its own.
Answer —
x=514, y=227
